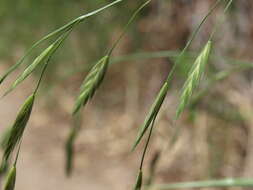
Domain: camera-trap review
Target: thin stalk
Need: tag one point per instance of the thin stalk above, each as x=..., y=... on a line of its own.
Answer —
x=146, y=145
x=230, y=182
x=81, y=18
x=41, y=75
x=218, y=24
x=64, y=36
x=16, y=159
x=127, y=26
x=196, y=31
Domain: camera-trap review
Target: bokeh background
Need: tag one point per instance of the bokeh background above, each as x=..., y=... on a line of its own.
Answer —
x=216, y=136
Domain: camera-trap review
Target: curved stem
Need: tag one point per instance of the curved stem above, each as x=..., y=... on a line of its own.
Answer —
x=147, y=142
x=218, y=24
x=16, y=159
x=196, y=31
x=127, y=26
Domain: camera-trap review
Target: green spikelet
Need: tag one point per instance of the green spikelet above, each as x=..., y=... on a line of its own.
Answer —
x=91, y=83
x=18, y=127
x=69, y=145
x=69, y=150
x=152, y=113
x=3, y=168
x=193, y=78
x=5, y=137
x=138, y=183
x=41, y=59
x=69, y=157
x=10, y=179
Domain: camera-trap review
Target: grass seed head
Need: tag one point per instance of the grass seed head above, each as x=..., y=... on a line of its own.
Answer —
x=91, y=83
x=152, y=113
x=193, y=78
x=10, y=179
x=18, y=127
x=4, y=167
x=5, y=137
x=69, y=151
x=138, y=183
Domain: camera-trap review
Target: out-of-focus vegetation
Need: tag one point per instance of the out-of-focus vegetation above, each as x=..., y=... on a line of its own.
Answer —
x=215, y=139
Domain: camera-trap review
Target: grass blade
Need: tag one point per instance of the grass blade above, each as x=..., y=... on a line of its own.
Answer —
x=230, y=182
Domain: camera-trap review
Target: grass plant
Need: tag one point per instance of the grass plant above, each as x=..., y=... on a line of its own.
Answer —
x=93, y=81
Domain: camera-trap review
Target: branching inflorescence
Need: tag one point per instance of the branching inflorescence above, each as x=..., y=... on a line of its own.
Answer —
x=91, y=84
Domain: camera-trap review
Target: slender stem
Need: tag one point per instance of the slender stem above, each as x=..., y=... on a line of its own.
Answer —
x=41, y=76
x=81, y=18
x=127, y=26
x=147, y=142
x=16, y=159
x=218, y=24
x=196, y=31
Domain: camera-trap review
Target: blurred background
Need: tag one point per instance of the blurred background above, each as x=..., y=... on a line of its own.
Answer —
x=216, y=136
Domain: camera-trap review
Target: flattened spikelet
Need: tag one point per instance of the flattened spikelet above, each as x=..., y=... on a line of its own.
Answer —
x=3, y=168
x=193, y=78
x=91, y=83
x=18, y=127
x=69, y=151
x=138, y=183
x=38, y=61
x=152, y=113
x=5, y=137
x=10, y=179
